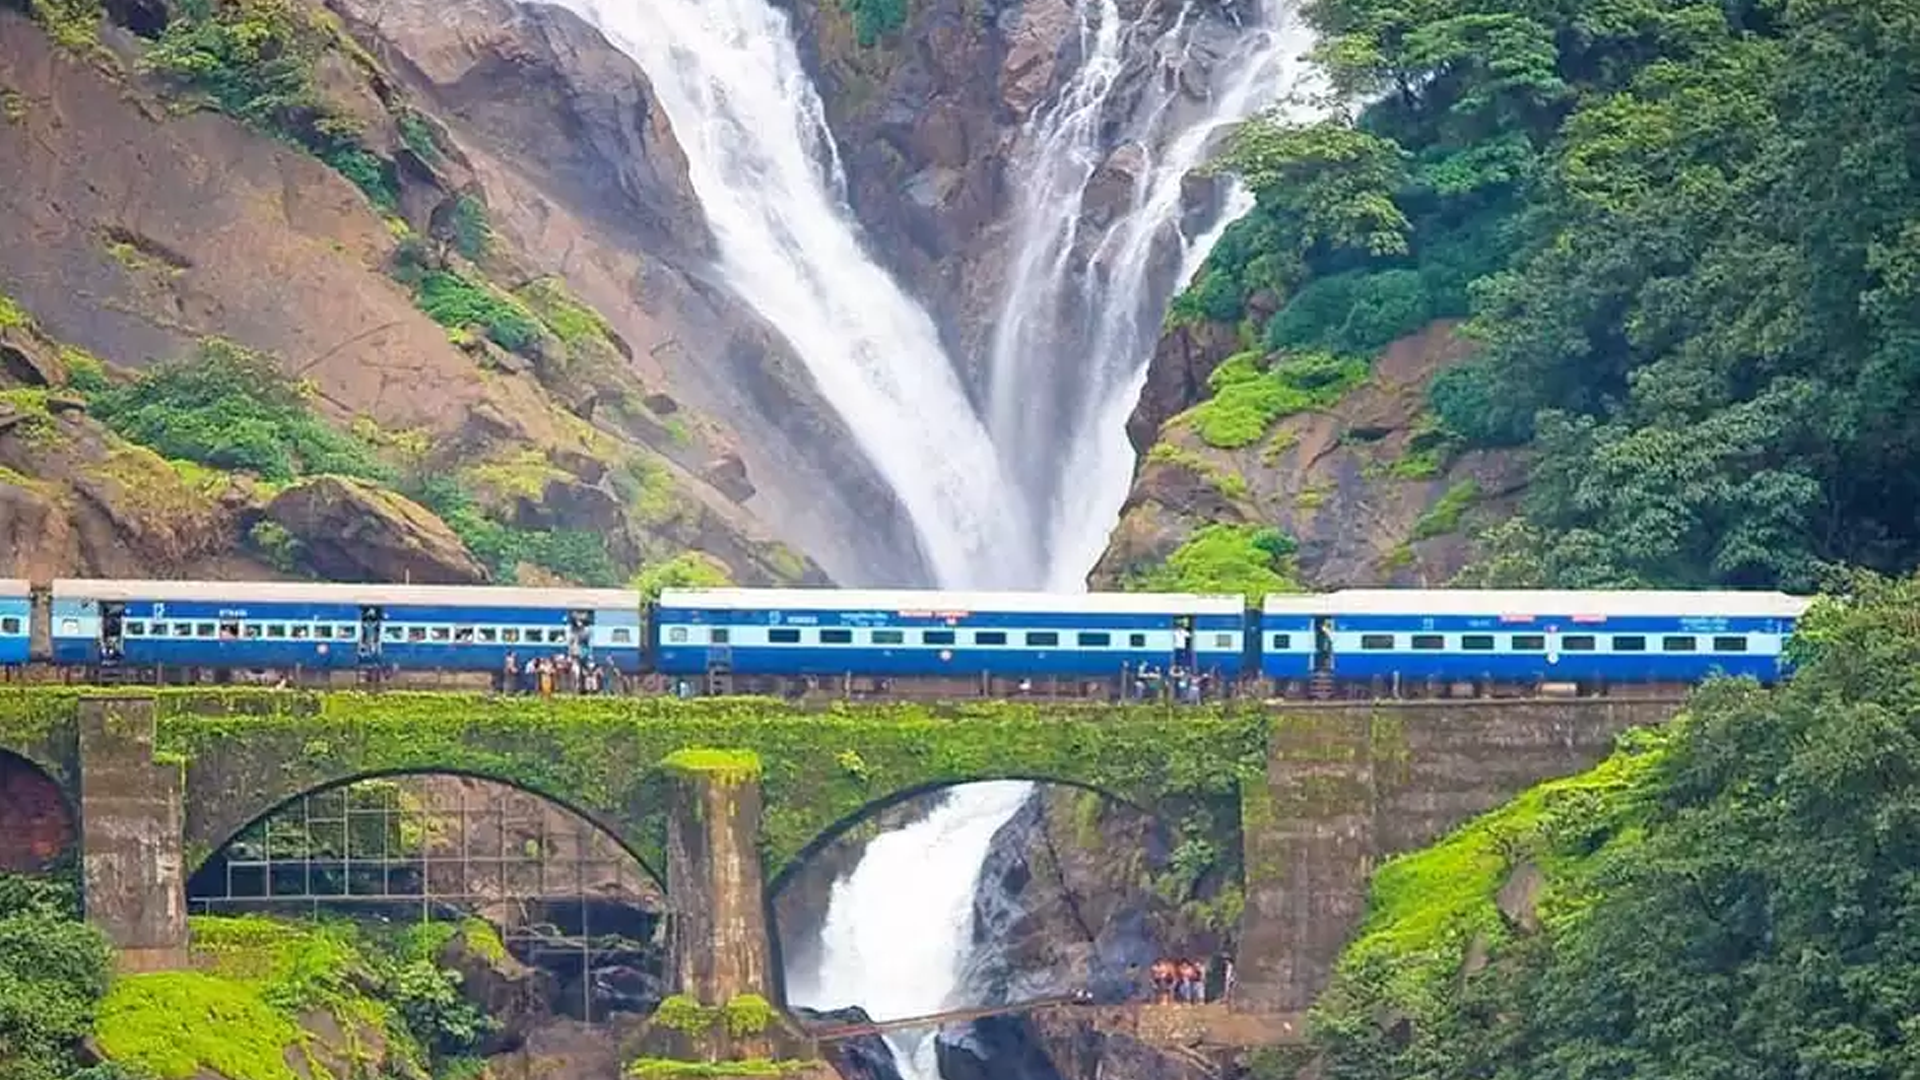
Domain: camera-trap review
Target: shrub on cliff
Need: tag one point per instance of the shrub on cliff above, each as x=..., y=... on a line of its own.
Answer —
x=53, y=970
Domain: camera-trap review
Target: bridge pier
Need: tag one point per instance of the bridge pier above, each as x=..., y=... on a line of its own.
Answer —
x=130, y=835
x=721, y=947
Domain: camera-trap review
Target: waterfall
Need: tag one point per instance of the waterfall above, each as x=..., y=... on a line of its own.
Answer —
x=900, y=926
x=1101, y=296
x=770, y=182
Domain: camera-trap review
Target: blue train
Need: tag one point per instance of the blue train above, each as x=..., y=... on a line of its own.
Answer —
x=1363, y=640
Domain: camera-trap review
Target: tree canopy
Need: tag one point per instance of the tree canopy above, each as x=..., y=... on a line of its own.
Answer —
x=1686, y=234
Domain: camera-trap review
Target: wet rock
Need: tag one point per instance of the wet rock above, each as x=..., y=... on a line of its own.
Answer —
x=353, y=531
x=728, y=475
x=518, y=997
x=29, y=358
x=1519, y=897
x=995, y=1048
x=863, y=1057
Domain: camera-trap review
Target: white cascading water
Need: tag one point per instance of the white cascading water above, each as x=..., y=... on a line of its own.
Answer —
x=1101, y=298
x=900, y=926
x=898, y=929
x=765, y=168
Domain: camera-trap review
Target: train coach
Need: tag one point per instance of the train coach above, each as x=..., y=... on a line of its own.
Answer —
x=16, y=621
x=926, y=634
x=1589, y=638
x=318, y=627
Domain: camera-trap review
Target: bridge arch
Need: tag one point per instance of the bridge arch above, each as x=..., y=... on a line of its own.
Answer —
x=200, y=852
x=39, y=821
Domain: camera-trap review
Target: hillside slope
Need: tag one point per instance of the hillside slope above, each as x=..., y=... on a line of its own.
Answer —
x=1681, y=238
x=492, y=364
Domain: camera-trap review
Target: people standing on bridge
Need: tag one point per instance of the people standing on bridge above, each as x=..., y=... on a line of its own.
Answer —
x=1195, y=982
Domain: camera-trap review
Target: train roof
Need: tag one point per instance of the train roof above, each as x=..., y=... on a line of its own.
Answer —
x=1614, y=603
x=942, y=600
x=302, y=592
x=15, y=587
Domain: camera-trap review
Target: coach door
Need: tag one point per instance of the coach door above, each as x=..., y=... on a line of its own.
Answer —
x=113, y=632
x=580, y=634
x=368, y=650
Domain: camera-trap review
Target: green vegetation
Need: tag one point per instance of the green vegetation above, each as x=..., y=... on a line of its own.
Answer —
x=726, y=766
x=687, y=570
x=457, y=303
x=53, y=971
x=873, y=18
x=748, y=1015
x=1444, y=515
x=605, y=753
x=73, y=24
x=239, y=1013
x=1248, y=398
x=472, y=232
x=574, y=554
x=1247, y=559
x=255, y=59
x=13, y=108
x=1724, y=898
x=571, y=320
x=230, y=408
x=12, y=314
x=1683, y=235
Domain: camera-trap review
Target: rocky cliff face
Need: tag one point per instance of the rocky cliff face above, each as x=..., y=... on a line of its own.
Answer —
x=932, y=125
x=134, y=226
x=1366, y=484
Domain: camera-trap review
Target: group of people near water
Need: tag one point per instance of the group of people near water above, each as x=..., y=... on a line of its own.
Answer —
x=1178, y=982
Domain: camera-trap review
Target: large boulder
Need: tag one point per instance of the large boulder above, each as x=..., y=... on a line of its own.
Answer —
x=354, y=531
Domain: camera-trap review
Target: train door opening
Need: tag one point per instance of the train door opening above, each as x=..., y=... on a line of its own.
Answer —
x=367, y=650
x=1183, y=645
x=1323, y=644
x=113, y=631
x=580, y=635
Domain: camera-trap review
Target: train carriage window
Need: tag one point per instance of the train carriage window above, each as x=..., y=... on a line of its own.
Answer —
x=1223, y=641
x=416, y=633
x=301, y=631
x=10, y=625
x=510, y=635
x=1476, y=642
x=1679, y=643
x=160, y=630
x=1283, y=641
x=1578, y=643
x=1629, y=643
x=1095, y=640
x=396, y=633
x=889, y=637
x=70, y=627
x=677, y=634
x=229, y=631
x=463, y=634
x=989, y=637
x=204, y=630
x=1529, y=643
x=621, y=636
x=277, y=630
x=936, y=637
x=1730, y=644
x=136, y=629
x=1429, y=642
x=836, y=637
x=1136, y=641
x=720, y=636
x=441, y=633
x=1376, y=642
x=489, y=635
x=252, y=631
x=784, y=636
x=1042, y=637
x=556, y=637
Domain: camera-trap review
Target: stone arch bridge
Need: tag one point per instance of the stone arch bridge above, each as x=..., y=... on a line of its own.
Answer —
x=721, y=797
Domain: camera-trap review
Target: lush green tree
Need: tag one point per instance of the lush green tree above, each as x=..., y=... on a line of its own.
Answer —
x=1746, y=909
x=53, y=971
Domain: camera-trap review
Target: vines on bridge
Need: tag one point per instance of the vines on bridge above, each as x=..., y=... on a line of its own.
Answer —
x=247, y=750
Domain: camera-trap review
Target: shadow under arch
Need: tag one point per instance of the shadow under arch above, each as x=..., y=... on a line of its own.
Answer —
x=29, y=789
x=199, y=858
x=780, y=881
